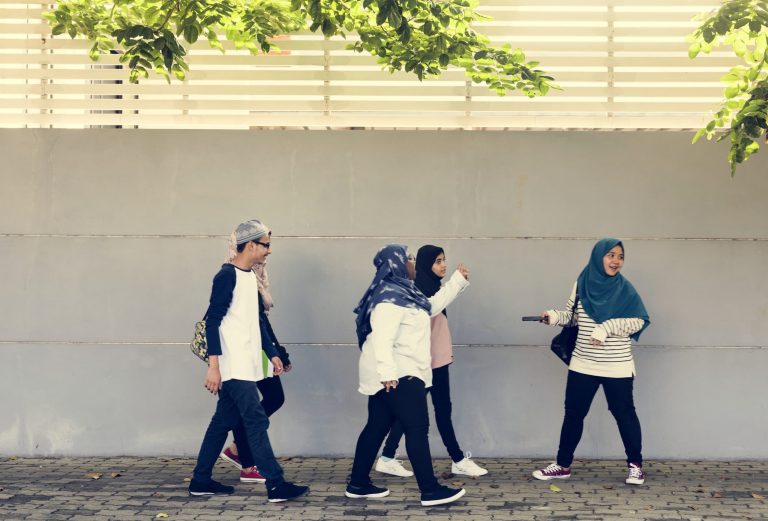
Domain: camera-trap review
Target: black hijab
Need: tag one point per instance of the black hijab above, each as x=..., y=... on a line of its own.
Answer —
x=426, y=280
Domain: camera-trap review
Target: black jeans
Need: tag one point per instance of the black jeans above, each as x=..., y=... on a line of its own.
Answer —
x=579, y=392
x=408, y=404
x=238, y=401
x=441, y=400
x=272, y=398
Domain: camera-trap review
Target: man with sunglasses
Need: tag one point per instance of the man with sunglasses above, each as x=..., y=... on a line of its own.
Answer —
x=235, y=364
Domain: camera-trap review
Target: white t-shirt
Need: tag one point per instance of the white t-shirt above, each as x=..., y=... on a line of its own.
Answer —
x=241, y=354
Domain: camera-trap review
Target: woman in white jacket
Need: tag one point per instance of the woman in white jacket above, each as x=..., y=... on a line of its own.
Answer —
x=393, y=330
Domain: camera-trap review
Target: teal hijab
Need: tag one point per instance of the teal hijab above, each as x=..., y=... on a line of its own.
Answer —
x=605, y=297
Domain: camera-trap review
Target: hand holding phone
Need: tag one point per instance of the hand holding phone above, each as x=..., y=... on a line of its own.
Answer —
x=532, y=318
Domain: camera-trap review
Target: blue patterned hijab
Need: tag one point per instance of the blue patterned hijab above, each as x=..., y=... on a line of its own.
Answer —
x=605, y=297
x=391, y=284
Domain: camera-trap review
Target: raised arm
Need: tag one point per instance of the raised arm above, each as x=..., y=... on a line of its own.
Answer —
x=448, y=293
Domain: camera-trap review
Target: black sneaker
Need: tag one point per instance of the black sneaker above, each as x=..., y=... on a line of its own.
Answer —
x=209, y=488
x=285, y=492
x=441, y=496
x=367, y=490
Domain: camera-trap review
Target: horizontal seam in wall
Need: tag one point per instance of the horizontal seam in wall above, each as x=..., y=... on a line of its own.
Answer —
x=375, y=237
x=336, y=344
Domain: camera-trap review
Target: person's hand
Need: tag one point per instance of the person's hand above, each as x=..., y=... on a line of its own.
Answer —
x=463, y=270
x=595, y=342
x=278, y=366
x=544, y=318
x=390, y=384
x=213, y=379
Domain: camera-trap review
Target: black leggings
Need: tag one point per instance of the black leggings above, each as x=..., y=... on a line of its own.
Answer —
x=441, y=400
x=579, y=392
x=272, y=398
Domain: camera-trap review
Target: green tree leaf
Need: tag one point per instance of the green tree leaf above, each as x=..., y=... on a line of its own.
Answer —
x=422, y=37
x=742, y=118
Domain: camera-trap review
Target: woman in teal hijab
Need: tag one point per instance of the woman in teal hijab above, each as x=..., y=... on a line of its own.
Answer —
x=609, y=312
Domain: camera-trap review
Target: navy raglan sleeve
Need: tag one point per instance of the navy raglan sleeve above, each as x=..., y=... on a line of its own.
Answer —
x=282, y=353
x=221, y=298
x=266, y=340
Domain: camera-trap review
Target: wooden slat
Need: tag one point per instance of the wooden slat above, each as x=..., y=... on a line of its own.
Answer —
x=413, y=89
x=358, y=120
x=212, y=62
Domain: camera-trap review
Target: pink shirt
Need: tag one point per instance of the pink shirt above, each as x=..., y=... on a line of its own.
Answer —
x=442, y=344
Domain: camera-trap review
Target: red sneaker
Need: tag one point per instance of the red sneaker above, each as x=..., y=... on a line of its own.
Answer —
x=231, y=457
x=251, y=475
x=553, y=471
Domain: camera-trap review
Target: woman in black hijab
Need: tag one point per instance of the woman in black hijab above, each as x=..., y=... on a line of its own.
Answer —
x=430, y=269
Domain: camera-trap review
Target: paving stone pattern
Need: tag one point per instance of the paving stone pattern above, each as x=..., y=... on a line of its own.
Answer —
x=156, y=488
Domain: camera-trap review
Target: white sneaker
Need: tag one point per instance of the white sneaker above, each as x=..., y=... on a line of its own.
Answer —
x=393, y=467
x=636, y=475
x=467, y=467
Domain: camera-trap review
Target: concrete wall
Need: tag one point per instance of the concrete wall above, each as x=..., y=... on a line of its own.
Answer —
x=109, y=240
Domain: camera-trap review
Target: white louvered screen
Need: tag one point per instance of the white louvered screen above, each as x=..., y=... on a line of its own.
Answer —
x=621, y=63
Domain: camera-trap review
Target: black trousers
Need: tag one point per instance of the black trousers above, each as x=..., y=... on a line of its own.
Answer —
x=441, y=400
x=579, y=392
x=272, y=398
x=407, y=404
x=238, y=403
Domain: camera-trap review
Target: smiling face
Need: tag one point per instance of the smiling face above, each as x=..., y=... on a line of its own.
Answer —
x=261, y=248
x=613, y=261
x=440, y=268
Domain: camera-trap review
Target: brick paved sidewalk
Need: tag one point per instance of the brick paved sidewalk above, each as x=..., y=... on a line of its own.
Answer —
x=155, y=488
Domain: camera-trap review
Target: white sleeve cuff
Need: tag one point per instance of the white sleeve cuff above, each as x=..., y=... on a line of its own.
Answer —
x=599, y=333
x=459, y=279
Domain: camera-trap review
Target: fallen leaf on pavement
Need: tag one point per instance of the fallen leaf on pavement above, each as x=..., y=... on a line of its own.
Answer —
x=187, y=480
x=492, y=486
x=446, y=475
x=757, y=496
x=457, y=483
x=115, y=474
x=608, y=487
x=161, y=515
x=554, y=488
x=715, y=494
x=94, y=475
x=284, y=458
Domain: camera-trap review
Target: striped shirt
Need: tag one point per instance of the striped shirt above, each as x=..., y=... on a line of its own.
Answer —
x=613, y=358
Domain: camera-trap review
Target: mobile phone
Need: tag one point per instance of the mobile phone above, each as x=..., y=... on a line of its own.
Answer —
x=532, y=318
